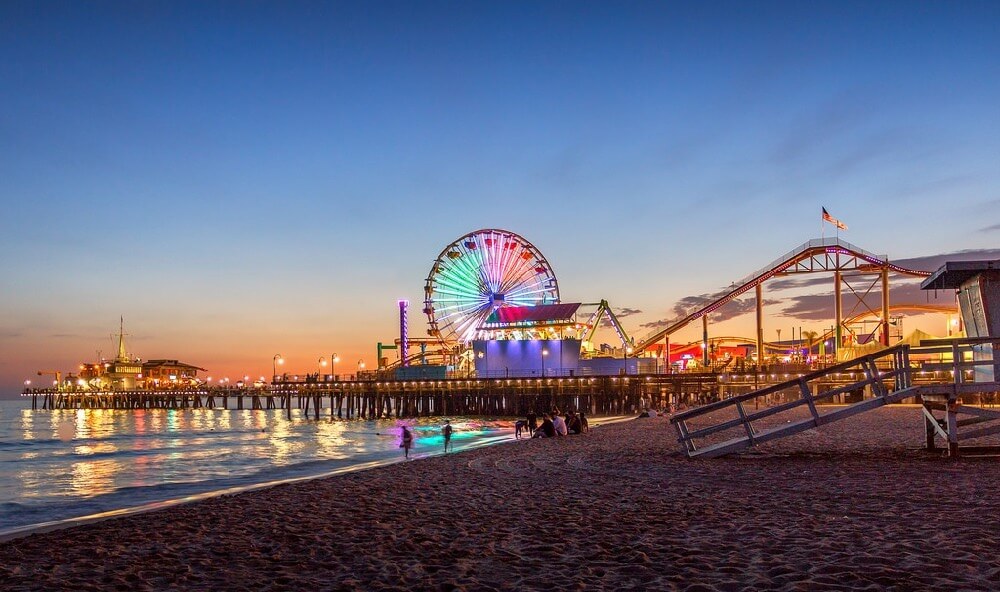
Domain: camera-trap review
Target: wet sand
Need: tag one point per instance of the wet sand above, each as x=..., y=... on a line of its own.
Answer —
x=852, y=506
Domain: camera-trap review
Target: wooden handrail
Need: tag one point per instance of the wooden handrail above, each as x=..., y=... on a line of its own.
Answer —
x=791, y=383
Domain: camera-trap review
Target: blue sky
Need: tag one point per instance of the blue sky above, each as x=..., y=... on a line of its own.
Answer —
x=243, y=178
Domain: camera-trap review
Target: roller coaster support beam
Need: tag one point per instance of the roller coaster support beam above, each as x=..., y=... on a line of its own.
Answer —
x=593, y=321
x=666, y=353
x=885, y=305
x=704, y=343
x=617, y=325
x=838, y=312
x=760, y=326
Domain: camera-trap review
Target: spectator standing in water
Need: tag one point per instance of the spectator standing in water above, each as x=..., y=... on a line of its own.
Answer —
x=407, y=441
x=446, y=432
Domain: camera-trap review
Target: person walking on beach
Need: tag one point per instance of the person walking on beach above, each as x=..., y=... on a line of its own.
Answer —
x=446, y=432
x=407, y=441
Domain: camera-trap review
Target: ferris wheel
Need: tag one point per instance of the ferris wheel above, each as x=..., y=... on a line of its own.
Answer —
x=479, y=273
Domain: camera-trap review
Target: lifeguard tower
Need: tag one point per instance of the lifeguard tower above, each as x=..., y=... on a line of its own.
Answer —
x=977, y=284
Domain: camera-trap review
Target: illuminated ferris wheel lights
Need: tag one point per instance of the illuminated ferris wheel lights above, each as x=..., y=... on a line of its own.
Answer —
x=481, y=272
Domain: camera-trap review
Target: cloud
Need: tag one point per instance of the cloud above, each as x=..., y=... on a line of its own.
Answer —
x=820, y=307
x=691, y=304
x=993, y=228
x=792, y=283
x=932, y=262
x=837, y=118
x=938, y=186
x=621, y=313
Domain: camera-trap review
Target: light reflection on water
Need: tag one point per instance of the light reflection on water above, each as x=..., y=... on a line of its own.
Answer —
x=90, y=478
x=59, y=463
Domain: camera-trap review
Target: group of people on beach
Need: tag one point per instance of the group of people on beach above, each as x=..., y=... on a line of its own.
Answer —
x=553, y=425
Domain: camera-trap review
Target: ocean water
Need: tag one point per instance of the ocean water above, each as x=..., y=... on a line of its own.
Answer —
x=63, y=464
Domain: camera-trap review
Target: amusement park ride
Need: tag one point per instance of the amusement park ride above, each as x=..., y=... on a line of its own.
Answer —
x=493, y=306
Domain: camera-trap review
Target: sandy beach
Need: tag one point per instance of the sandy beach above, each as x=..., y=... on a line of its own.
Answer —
x=853, y=506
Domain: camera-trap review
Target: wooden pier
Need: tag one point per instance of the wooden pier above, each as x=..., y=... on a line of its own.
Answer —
x=371, y=399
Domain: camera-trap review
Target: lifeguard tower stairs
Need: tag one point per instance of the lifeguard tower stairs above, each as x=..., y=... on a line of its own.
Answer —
x=945, y=386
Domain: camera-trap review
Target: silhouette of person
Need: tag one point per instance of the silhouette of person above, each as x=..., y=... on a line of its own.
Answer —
x=407, y=441
x=446, y=431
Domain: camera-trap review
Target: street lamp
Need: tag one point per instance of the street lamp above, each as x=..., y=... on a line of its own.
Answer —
x=322, y=364
x=274, y=365
x=545, y=354
x=333, y=365
x=361, y=366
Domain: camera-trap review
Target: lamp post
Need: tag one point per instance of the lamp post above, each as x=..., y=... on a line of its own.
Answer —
x=277, y=359
x=545, y=354
x=333, y=366
x=322, y=364
x=780, y=351
x=361, y=366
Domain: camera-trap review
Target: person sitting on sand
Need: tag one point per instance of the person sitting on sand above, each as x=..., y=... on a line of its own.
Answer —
x=573, y=424
x=560, y=426
x=547, y=429
x=584, y=426
x=407, y=441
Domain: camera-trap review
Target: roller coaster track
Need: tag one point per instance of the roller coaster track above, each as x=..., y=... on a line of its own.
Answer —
x=817, y=255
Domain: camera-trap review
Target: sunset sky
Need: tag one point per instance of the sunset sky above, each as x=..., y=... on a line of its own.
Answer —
x=250, y=178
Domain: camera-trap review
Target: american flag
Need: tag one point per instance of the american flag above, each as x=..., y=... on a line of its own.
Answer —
x=828, y=218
